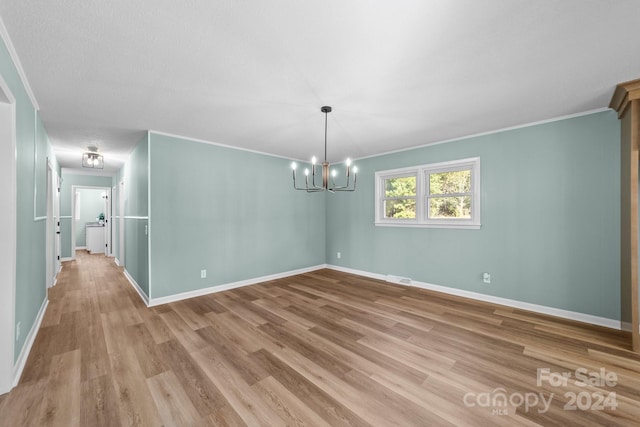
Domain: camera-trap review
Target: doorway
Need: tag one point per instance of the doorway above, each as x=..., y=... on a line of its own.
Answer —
x=91, y=219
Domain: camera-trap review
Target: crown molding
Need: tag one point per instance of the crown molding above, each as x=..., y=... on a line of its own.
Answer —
x=490, y=132
x=218, y=144
x=4, y=35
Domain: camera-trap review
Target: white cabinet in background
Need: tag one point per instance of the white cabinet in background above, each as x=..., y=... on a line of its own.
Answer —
x=95, y=239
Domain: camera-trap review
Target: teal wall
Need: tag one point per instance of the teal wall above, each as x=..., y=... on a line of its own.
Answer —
x=135, y=174
x=69, y=179
x=91, y=206
x=32, y=146
x=550, y=219
x=231, y=212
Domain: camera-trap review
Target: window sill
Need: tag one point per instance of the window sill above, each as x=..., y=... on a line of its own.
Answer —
x=419, y=225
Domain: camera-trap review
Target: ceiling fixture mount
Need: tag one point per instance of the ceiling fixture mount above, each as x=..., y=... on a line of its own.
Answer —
x=91, y=159
x=327, y=174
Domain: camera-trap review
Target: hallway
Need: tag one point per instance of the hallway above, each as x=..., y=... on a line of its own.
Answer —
x=67, y=378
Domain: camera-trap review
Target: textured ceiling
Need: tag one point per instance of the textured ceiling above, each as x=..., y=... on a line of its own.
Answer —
x=254, y=74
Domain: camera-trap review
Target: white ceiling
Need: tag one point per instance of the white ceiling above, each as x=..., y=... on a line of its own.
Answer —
x=254, y=74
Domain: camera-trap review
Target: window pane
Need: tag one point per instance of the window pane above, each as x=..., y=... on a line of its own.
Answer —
x=450, y=207
x=400, y=187
x=400, y=209
x=450, y=182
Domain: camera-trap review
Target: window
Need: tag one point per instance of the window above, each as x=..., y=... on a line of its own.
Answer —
x=400, y=197
x=437, y=195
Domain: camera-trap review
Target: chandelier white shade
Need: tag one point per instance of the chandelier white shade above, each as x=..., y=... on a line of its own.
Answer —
x=327, y=174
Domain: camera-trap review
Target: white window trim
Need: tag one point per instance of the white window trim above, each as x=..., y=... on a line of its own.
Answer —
x=422, y=172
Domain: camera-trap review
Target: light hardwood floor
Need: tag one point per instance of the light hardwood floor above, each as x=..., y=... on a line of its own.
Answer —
x=318, y=349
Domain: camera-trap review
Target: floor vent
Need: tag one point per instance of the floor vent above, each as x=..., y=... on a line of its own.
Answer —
x=398, y=279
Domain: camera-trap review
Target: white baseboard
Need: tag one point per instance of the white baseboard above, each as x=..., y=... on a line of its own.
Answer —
x=117, y=261
x=18, y=367
x=552, y=311
x=66, y=259
x=81, y=248
x=233, y=285
x=137, y=287
x=626, y=326
x=358, y=272
x=55, y=279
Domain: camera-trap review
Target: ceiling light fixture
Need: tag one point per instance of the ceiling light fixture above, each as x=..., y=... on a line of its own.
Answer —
x=91, y=159
x=326, y=172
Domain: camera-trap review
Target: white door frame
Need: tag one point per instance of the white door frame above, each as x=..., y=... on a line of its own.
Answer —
x=114, y=190
x=53, y=225
x=8, y=219
x=107, y=236
x=49, y=241
x=121, y=200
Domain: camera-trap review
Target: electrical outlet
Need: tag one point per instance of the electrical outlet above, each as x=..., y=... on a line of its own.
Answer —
x=203, y=274
x=18, y=331
x=338, y=255
x=486, y=277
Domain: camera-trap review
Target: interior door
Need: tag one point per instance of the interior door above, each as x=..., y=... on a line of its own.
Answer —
x=53, y=225
x=107, y=224
x=56, y=218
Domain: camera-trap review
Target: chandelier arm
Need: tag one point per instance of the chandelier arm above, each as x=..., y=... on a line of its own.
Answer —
x=294, y=182
x=313, y=176
x=348, y=181
x=342, y=186
x=346, y=187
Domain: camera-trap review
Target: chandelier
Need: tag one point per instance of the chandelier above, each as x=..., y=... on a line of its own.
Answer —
x=328, y=175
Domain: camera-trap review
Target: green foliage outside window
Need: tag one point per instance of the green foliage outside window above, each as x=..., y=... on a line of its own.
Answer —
x=402, y=192
x=455, y=183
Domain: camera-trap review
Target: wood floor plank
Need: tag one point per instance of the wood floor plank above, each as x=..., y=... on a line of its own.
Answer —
x=22, y=407
x=156, y=326
x=146, y=350
x=312, y=352
x=190, y=317
x=322, y=403
x=364, y=405
x=93, y=348
x=320, y=348
x=187, y=337
x=249, y=405
x=61, y=401
x=240, y=332
x=99, y=403
x=202, y=392
x=225, y=416
x=173, y=404
x=135, y=404
x=290, y=408
x=236, y=356
x=277, y=309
